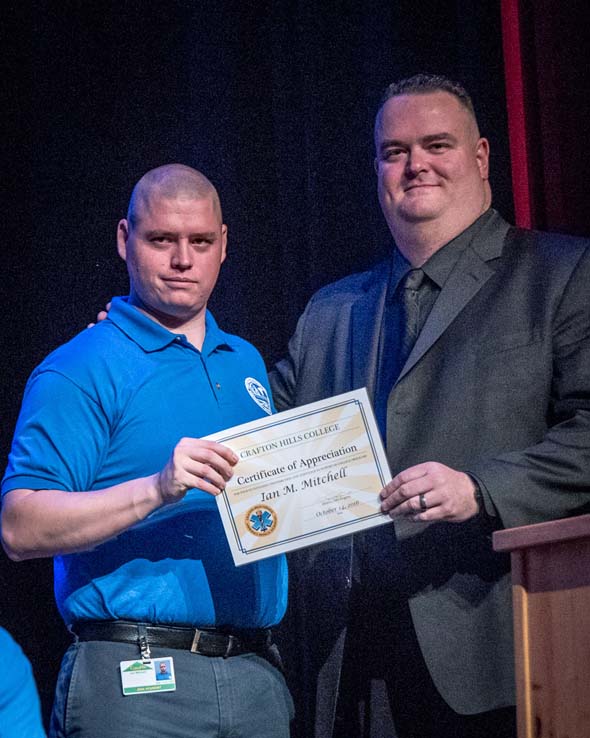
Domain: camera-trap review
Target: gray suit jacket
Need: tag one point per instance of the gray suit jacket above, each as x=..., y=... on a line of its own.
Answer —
x=497, y=384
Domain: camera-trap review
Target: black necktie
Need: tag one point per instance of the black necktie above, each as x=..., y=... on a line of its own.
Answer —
x=410, y=323
x=403, y=317
x=402, y=322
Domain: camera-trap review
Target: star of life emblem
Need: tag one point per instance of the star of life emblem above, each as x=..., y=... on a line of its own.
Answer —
x=261, y=520
x=258, y=393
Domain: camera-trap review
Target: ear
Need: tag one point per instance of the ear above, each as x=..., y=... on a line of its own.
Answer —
x=122, y=236
x=223, y=242
x=376, y=165
x=482, y=154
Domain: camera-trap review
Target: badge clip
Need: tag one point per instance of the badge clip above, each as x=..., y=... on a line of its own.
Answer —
x=144, y=646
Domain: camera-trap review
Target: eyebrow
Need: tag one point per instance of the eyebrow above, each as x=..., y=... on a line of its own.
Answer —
x=438, y=136
x=424, y=140
x=210, y=235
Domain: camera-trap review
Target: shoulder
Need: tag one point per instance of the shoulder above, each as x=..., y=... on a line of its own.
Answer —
x=95, y=352
x=555, y=247
x=553, y=260
x=349, y=289
x=102, y=339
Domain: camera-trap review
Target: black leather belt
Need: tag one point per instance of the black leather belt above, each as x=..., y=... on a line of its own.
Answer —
x=207, y=642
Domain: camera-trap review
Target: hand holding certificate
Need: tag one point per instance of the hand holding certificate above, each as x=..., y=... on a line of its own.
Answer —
x=304, y=476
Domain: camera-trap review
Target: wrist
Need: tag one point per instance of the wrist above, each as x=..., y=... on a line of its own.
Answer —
x=478, y=496
x=147, y=496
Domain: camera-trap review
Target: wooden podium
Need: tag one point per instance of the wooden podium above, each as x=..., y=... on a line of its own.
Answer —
x=551, y=596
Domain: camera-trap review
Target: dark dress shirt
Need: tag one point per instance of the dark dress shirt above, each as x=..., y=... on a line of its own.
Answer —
x=437, y=270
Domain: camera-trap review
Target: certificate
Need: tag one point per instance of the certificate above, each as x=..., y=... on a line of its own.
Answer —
x=303, y=476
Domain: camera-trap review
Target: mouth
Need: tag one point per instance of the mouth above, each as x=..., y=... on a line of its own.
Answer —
x=179, y=280
x=421, y=186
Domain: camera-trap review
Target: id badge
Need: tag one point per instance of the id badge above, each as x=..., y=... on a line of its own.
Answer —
x=141, y=677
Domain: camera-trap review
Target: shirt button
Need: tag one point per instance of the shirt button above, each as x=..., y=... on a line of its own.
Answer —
x=217, y=385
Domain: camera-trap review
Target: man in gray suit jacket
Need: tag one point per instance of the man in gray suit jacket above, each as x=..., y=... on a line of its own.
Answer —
x=408, y=628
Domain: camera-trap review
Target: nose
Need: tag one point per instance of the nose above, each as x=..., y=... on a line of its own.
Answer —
x=416, y=162
x=181, y=256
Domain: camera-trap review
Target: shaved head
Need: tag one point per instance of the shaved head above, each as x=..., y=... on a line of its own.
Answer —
x=171, y=181
x=174, y=243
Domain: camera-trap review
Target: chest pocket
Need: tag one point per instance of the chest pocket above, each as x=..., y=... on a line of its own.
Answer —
x=508, y=342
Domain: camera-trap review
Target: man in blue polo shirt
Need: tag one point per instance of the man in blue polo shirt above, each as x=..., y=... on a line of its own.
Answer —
x=108, y=441
x=20, y=711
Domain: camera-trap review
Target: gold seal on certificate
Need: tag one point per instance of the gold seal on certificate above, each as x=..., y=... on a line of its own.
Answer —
x=261, y=520
x=303, y=476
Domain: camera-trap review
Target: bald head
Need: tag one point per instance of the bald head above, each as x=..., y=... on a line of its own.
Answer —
x=169, y=182
x=173, y=242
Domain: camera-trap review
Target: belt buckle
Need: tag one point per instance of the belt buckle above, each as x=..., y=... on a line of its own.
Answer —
x=231, y=642
x=196, y=639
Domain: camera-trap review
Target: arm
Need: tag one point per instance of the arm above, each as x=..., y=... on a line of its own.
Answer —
x=283, y=378
x=545, y=477
x=288, y=391
x=20, y=706
x=46, y=522
x=549, y=479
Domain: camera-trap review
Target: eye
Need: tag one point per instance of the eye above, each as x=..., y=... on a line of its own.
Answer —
x=439, y=146
x=201, y=242
x=392, y=153
x=160, y=240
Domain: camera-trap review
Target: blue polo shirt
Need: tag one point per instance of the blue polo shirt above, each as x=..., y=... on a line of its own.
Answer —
x=20, y=710
x=109, y=406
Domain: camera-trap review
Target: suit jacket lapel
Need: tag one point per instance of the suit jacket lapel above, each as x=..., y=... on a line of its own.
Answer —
x=366, y=318
x=469, y=275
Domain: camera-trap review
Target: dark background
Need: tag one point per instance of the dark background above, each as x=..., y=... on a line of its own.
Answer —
x=273, y=101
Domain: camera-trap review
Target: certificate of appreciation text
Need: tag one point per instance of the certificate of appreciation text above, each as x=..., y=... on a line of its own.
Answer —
x=305, y=475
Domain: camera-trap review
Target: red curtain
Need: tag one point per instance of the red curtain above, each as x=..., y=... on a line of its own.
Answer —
x=547, y=62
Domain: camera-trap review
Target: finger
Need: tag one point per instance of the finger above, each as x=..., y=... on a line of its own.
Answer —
x=219, y=464
x=225, y=452
x=388, y=490
x=406, y=492
x=219, y=457
x=194, y=444
x=176, y=479
x=427, y=516
x=419, y=505
x=206, y=485
x=403, y=478
x=198, y=472
x=190, y=481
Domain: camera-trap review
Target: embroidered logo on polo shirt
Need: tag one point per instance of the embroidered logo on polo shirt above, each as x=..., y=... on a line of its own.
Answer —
x=258, y=393
x=261, y=520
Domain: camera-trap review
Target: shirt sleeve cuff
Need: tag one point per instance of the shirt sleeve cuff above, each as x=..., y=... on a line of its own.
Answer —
x=482, y=497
